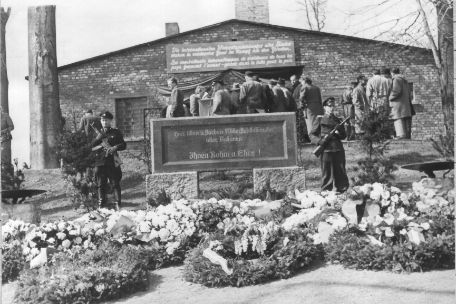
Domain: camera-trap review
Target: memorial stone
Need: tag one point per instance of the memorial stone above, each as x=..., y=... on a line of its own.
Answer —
x=181, y=147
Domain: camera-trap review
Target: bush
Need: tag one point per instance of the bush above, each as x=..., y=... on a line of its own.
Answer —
x=13, y=262
x=375, y=167
x=110, y=272
x=291, y=252
x=350, y=248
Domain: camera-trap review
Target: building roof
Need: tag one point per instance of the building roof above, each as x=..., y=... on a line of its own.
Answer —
x=326, y=34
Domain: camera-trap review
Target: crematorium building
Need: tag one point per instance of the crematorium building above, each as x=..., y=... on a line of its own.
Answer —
x=131, y=83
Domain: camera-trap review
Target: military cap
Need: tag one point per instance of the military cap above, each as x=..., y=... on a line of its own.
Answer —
x=328, y=100
x=107, y=115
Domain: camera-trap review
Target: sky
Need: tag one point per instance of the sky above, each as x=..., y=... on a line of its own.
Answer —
x=87, y=28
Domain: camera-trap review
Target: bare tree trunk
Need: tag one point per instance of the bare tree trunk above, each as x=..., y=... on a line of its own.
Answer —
x=45, y=115
x=6, y=146
x=445, y=44
x=443, y=66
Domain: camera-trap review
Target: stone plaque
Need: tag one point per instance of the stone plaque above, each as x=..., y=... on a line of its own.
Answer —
x=223, y=142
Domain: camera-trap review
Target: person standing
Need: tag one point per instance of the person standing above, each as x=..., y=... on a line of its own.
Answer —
x=360, y=105
x=222, y=100
x=290, y=104
x=310, y=99
x=349, y=110
x=332, y=159
x=252, y=95
x=279, y=100
x=87, y=121
x=194, y=100
x=235, y=104
x=107, y=163
x=400, y=104
x=176, y=100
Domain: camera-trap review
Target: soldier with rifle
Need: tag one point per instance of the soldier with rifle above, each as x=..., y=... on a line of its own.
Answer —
x=327, y=132
x=107, y=162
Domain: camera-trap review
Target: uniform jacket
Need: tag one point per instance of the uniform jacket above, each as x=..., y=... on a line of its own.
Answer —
x=310, y=96
x=323, y=126
x=400, y=98
x=114, y=138
x=176, y=101
x=222, y=103
x=280, y=101
x=252, y=95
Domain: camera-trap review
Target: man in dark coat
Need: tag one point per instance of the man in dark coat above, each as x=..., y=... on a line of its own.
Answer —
x=280, y=101
x=252, y=95
x=400, y=104
x=221, y=104
x=176, y=100
x=310, y=98
x=107, y=163
x=333, y=157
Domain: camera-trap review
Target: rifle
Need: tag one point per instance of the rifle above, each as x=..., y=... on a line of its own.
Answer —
x=319, y=150
x=105, y=145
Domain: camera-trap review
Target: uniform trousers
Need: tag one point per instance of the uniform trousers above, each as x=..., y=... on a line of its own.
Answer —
x=114, y=175
x=333, y=171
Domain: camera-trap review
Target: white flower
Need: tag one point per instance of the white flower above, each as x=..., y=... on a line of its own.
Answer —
x=164, y=234
x=51, y=240
x=35, y=251
x=100, y=287
x=78, y=240
x=404, y=199
x=61, y=235
x=66, y=244
x=385, y=194
x=26, y=250
x=389, y=219
x=395, y=189
x=61, y=226
x=425, y=226
x=144, y=227
x=403, y=232
x=395, y=198
x=31, y=244
x=74, y=232
x=389, y=232
x=100, y=232
x=375, y=195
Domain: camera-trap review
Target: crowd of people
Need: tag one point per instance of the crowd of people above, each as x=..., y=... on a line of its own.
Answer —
x=385, y=92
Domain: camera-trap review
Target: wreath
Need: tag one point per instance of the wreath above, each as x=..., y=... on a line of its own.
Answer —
x=278, y=257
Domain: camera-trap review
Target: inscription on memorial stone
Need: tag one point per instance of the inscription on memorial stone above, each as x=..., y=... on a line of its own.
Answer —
x=223, y=142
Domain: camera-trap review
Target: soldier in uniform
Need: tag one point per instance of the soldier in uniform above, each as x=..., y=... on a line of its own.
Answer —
x=333, y=158
x=107, y=163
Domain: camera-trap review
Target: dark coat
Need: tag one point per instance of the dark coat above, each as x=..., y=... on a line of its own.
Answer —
x=400, y=98
x=280, y=101
x=176, y=101
x=252, y=95
x=114, y=138
x=323, y=126
x=221, y=103
x=310, y=97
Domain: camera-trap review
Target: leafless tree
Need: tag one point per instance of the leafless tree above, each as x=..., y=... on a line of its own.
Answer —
x=315, y=11
x=425, y=23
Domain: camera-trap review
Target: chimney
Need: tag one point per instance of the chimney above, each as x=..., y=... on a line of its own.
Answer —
x=172, y=28
x=252, y=10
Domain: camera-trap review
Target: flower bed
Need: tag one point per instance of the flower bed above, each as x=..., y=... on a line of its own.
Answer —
x=107, y=273
x=407, y=232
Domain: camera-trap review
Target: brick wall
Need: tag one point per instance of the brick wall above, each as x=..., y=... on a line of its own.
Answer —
x=332, y=62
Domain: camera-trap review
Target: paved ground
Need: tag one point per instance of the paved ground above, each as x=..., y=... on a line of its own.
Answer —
x=325, y=285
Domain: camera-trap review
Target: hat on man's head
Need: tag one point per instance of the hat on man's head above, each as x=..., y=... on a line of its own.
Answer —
x=328, y=100
x=219, y=82
x=107, y=115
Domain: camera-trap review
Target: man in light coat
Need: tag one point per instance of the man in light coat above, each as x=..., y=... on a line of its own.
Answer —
x=310, y=98
x=377, y=90
x=400, y=104
x=360, y=104
x=176, y=100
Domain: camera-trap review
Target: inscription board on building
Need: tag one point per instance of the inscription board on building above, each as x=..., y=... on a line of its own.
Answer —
x=223, y=142
x=182, y=58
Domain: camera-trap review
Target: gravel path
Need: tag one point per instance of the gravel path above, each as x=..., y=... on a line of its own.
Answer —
x=325, y=285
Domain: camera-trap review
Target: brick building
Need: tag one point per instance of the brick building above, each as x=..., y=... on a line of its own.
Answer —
x=129, y=80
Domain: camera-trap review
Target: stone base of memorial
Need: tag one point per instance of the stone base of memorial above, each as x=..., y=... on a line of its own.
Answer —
x=176, y=185
x=283, y=179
